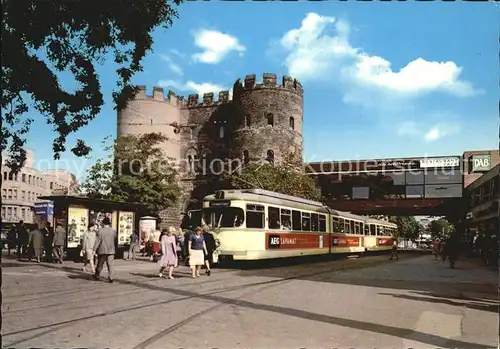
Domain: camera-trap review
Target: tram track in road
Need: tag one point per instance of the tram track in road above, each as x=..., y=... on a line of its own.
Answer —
x=185, y=295
x=234, y=301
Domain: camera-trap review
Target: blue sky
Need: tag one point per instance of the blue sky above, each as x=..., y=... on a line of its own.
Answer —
x=380, y=79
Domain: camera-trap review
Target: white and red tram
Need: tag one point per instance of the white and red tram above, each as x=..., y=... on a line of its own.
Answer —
x=255, y=224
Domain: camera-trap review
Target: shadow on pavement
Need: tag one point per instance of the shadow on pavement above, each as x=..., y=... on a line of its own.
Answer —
x=430, y=339
x=431, y=299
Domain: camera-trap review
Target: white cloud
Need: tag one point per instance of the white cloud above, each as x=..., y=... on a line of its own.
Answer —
x=320, y=49
x=191, y=86
x=441, y=130
x=429, y=134
x=215, y=45
x=172, y=65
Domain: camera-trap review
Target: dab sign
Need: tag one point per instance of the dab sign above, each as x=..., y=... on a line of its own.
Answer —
x=481, y=163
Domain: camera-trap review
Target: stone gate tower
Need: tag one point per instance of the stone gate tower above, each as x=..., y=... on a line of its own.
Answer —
x=263, y=121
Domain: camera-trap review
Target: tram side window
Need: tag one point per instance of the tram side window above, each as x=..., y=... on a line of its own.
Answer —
x=273, y=214
x=347, y=226
x=381, y=231
x=296, y=220
x=373, y=229
x=314, y=222
x=341, y=225
x=306, y=221
x=353, y=227
x=356, y=228
x=367, y=229
x=322, y=223
x=286, y=219
x=335, y=224
x=255, y=216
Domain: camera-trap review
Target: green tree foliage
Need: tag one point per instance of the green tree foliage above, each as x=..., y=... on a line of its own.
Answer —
x=41, y=39
x=408, y=227
x=441, y=228
x=138, y=172
x=97, y=183
x=285, y=178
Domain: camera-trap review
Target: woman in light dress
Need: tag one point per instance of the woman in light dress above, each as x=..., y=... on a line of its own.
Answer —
x=88, y=243
x=169, y=253
x=196, y=247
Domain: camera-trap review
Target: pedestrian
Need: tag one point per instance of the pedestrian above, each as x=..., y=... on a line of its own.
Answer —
x=88, y=242
x=11, y=240
x=452, y=250
x=187, y=237
x=22, y=240
x=210, y=247
x=196, y=247
x=105, y=248
x=156, y=247
x=35, y=243
x=134, y=245
x=169, y=257
x=394, y=250
x=48, y=237
x=59, y=242
x=435, y=249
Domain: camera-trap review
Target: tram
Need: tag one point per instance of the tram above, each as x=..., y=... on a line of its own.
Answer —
x=255, y=224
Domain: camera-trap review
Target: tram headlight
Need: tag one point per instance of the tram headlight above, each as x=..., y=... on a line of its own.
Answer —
x=217, y=242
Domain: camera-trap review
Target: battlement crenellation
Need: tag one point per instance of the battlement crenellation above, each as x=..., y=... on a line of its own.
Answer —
x=193, y=100
x=269, y=81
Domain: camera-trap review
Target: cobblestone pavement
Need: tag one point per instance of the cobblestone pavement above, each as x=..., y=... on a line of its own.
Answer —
x=363, y=303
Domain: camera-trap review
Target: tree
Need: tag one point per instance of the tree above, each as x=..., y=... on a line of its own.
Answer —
x=285, y=178
x=138, y=172
x=441, y=229
x=40, y=39
x=408, y=227
x=97, y=183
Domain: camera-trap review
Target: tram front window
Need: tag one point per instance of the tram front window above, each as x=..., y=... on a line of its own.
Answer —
x=227, y=217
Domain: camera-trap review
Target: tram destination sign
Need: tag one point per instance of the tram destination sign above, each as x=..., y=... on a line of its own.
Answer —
x=220, y=203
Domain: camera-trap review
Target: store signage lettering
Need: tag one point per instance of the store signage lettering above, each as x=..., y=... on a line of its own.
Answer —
x=481, y=163
x=440, y=162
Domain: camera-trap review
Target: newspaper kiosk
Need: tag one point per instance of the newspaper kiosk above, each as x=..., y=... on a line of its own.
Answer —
x=74, y=213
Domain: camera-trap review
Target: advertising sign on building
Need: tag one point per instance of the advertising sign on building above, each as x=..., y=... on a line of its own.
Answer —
x=481, y=163
x=44, y=210
x=452, y=161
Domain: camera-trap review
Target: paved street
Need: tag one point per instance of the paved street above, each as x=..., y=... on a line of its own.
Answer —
x=363, y=303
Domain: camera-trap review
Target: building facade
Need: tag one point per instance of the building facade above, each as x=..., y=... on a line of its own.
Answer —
x=483, y=201
x=262, y=120
x=20, y=191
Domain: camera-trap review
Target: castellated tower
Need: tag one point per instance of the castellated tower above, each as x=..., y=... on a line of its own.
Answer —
x=263, y=121
x=270, y=118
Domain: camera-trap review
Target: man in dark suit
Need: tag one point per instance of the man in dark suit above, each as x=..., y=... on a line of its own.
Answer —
x=22, y=240
x=105, y=249
x=59, y=242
